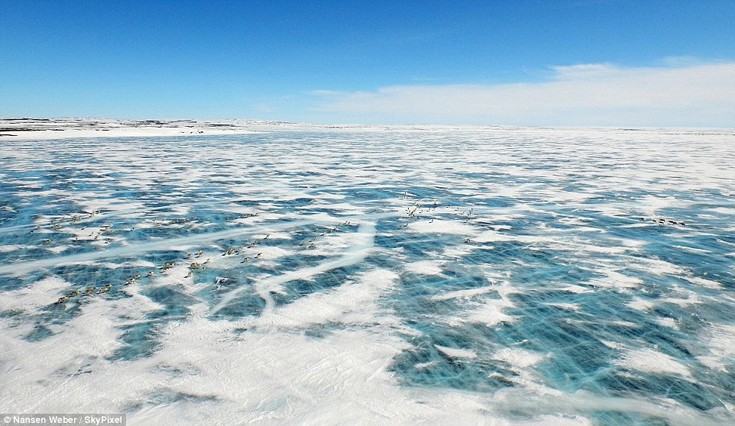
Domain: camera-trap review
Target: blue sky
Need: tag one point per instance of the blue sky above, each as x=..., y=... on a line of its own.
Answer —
x=544, y=62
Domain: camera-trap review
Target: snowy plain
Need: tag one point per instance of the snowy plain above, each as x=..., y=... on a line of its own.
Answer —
x=237, y=272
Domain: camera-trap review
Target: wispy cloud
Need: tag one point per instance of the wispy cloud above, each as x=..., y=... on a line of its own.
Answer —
x=679, y=93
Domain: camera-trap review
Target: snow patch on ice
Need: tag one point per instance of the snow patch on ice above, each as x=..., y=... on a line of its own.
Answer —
x=456, y=352
x=29, y=299
x=652, y=361
x=519, y=358
x=425, y=267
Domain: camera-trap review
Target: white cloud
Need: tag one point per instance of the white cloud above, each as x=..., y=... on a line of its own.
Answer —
x=690, y=94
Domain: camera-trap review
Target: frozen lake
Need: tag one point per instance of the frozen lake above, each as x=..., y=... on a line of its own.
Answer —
x=374, y=276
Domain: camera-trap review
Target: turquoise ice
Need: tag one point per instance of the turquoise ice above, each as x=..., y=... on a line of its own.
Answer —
x=378, y=275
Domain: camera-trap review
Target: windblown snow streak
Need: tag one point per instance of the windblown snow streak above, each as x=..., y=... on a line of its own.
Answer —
x=400, y=275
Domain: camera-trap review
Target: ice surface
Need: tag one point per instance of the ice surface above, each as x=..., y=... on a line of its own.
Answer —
x=370, y=275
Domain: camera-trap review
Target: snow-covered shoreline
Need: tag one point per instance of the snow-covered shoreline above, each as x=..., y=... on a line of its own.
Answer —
x=67, y=128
